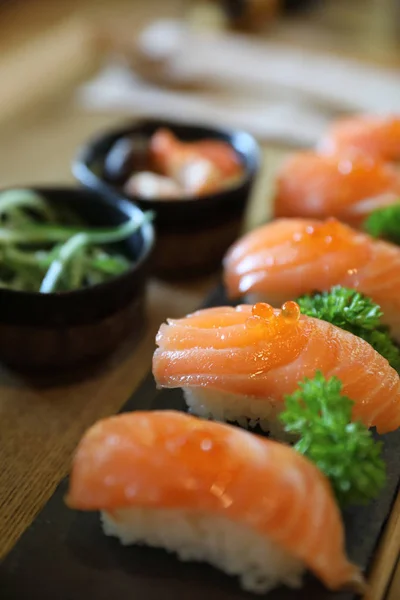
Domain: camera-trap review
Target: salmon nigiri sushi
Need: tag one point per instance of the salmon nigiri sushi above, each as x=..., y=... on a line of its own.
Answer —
x=347, y=187
x=209, y=492
x=291, y=257
x=237, y=364
x=373, y=135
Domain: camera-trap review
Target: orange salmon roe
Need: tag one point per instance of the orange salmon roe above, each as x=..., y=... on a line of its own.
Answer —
x=291, y=311
x=261, y=309
x=263, y=315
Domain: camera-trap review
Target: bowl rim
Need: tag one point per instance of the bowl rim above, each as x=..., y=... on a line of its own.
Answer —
x=84, y=156
x=118, y=204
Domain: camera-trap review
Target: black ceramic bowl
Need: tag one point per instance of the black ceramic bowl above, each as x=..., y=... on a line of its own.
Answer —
x=192, y=234
x=66, y=329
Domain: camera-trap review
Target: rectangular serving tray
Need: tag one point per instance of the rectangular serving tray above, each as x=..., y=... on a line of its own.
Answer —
x=63, y=555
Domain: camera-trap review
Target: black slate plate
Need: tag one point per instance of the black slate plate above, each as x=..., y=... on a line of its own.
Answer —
x=64, y=556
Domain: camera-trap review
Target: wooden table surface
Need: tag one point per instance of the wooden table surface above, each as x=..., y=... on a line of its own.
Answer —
x=41, y=425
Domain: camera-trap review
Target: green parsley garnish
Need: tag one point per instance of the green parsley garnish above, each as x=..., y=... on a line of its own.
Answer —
x=385, y=223
x=354, y=312
x=343, y=450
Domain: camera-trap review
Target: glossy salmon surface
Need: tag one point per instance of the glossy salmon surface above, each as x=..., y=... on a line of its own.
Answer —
x=166, y=459
x=373, y=135
x=235, y=350
x=291, y=257
x=346, y=186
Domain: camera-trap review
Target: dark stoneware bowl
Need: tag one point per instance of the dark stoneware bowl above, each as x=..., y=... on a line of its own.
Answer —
x=67, y=329
x=192, y=234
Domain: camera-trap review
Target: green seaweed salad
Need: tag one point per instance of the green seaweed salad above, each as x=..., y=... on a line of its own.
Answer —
x=47, y=248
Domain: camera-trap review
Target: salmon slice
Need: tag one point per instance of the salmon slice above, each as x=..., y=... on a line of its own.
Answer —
x=346, y=186
x=169, y=461
x=261, y=359
x=168, y=154
x=375, y=136
x=291, y=257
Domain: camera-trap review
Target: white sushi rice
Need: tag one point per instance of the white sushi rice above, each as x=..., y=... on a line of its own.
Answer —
x=247, y=411
x=238, y=551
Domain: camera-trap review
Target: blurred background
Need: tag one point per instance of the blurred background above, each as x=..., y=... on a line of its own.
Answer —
x=278, y=68
x=72, y=69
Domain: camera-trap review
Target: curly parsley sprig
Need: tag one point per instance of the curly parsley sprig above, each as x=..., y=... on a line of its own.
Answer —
x=385, y=223
x=356, y=313
x=343, y=450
